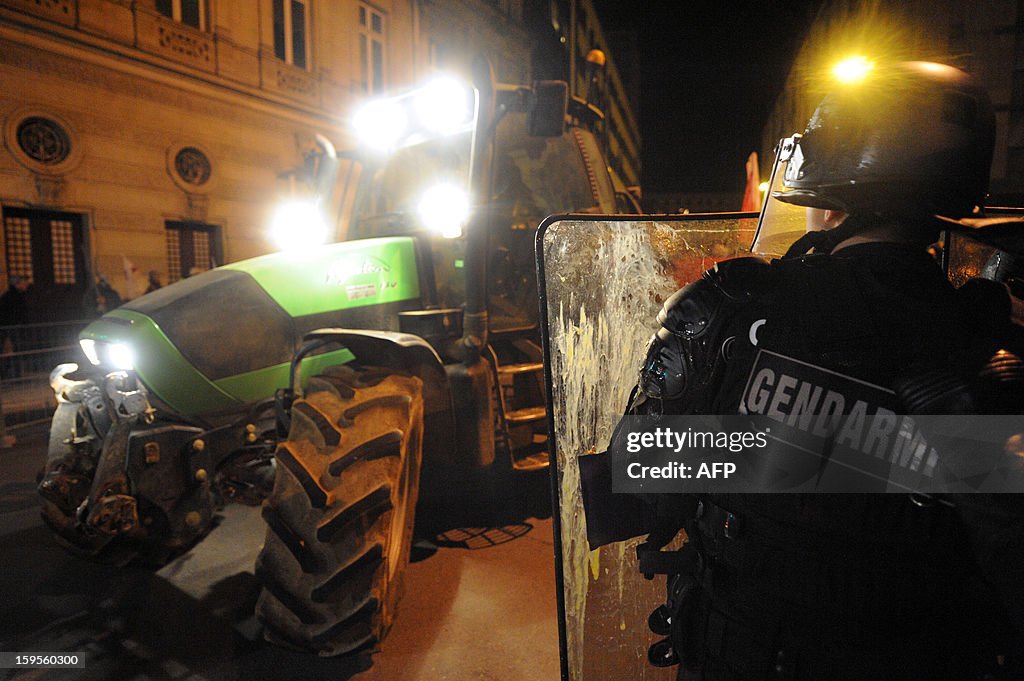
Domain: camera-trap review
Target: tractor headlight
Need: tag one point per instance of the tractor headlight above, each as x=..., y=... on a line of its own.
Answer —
x=89, y=350
x=297, y=225
x=443, y=106
x=121, y=356
x=380, y=124
x=444, y=209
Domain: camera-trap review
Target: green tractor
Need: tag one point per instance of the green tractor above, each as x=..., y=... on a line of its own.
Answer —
x=327, y=383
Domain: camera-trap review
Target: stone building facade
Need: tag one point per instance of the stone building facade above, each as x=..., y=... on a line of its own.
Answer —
x=159, y=135
x=615, y=95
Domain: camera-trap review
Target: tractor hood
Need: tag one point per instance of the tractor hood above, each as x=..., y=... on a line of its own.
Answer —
x=223, y=339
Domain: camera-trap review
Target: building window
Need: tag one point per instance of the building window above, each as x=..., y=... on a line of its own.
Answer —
x=372, y=44
x=61, y=236
x=192, y=166
x=19, y=247
x=43, y=140
x=192, y=247
x=291, y=22
x=60, y=267
x=189, y=12
x=47, y=248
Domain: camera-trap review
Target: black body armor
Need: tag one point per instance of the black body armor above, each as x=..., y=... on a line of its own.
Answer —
x=853, y=586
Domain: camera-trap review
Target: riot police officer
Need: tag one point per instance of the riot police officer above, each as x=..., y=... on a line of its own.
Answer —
x=859, y=587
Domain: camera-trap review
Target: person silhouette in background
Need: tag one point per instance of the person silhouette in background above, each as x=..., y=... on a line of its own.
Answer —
x=154, y=281
x=13, y=312
x=101, y=298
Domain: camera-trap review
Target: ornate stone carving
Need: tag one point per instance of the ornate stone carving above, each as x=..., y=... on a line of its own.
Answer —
x=193, y=166
x=288, y=80
x=175, y=41
x=49, y=189
x=198, y=206
x=296, y=82
x=190, y=168
x=62, y=11
x=179, y=42
x=43, y=140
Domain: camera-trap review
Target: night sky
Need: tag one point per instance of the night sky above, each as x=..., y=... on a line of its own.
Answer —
x=710, y=73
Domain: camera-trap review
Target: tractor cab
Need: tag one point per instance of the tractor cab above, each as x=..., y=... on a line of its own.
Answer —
x=431, y=186
x=469, y=173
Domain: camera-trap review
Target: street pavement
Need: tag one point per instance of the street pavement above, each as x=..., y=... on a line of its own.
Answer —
x=479, y=603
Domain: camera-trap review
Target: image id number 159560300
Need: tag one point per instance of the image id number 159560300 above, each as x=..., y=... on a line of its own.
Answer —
x=35, y=660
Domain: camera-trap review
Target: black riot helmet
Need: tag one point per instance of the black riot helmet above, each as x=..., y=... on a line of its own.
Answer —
x=908, y=140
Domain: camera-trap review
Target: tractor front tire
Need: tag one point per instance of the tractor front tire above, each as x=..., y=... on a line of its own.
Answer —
x=340, y=517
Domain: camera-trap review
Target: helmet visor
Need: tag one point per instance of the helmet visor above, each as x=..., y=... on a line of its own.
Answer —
x=782, y=222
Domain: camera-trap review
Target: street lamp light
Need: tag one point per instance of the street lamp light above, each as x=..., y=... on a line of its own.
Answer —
x=852, y=70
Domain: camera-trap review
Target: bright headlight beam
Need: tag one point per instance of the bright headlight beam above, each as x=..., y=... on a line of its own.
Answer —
x=121, y=356
x=852, y=70
x=444, y=209
x=298, y=224
x=380, y=124
x=442, y=106
x=89, y=350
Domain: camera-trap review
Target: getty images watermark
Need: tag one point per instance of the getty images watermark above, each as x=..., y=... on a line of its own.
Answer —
x=884, y=452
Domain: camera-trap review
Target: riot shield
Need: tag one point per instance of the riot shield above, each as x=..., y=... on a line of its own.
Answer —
x=603, y=281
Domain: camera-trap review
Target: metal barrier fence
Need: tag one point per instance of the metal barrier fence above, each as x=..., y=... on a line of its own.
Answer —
x=28, y=353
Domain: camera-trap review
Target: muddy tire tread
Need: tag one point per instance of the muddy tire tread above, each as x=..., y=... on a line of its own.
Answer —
x=339, y=520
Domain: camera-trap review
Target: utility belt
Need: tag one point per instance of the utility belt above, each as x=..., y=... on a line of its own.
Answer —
x=748, y=600
x=701, y=637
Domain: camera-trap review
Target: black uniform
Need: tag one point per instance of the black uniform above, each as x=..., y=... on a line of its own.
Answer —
x=13, y=307
x=863, y=587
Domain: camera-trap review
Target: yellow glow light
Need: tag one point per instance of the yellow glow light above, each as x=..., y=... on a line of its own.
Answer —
x=297, y=225
x=852, y=70
x=763, y=187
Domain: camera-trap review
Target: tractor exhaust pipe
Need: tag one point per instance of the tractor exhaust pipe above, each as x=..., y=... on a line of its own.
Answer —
x=475, y=321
